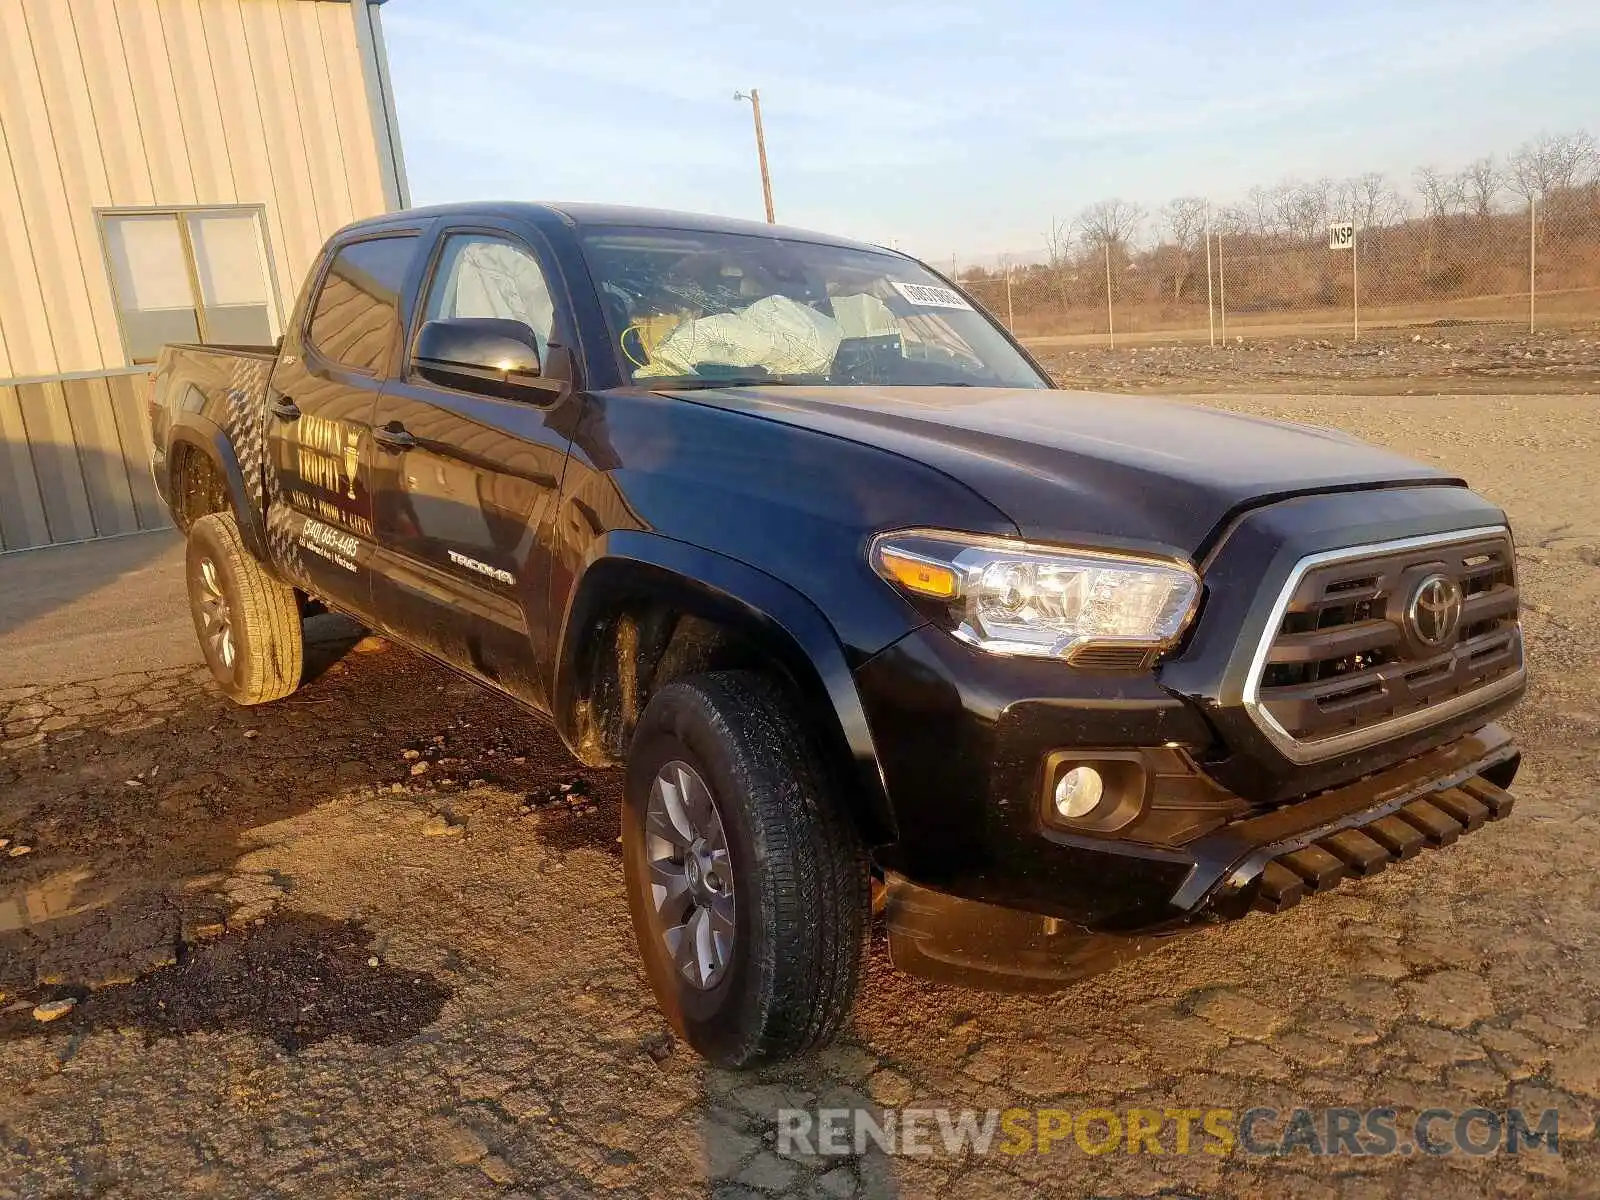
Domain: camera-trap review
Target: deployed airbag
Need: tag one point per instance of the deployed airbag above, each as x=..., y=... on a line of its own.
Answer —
x=776, y=335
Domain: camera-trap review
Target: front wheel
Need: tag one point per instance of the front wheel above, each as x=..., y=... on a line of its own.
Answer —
x=747, y=885
x=247, y=621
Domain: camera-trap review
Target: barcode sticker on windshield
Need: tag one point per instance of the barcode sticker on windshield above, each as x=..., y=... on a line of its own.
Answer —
x=930, y=295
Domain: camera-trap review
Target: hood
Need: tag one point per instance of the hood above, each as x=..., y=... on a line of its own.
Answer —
x=1067, y=467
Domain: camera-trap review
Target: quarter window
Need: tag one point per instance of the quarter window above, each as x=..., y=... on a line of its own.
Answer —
x=190, y=275
x=491, y=277
x=357, y=314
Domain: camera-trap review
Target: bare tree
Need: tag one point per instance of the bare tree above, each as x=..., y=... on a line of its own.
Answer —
x=1106, y=229
x=1316, y=202
x=1233, y=219
x=1442, y=194
x=1110, y=223
x=1058, y=245
x=1480, y=182
x=1185, y=219
x=1058, y=241
x=1552, y=163
x=1260, y=214
x=1370, y=199
x=1285, y=200
x=1293, y=208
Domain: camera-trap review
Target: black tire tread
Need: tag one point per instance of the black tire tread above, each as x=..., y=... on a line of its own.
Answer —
x=813, y=859
x=273, y=655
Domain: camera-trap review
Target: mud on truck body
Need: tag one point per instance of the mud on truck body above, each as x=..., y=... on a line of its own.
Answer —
x=791, y=530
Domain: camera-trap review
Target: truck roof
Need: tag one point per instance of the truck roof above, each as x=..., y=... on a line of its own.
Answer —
x=577, y=216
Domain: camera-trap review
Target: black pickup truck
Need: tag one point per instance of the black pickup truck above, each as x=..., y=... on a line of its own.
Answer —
x=791, y=529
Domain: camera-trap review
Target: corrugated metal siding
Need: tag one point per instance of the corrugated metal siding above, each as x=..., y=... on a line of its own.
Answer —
x=133, y=103
x=74, y=462
x=136, y=104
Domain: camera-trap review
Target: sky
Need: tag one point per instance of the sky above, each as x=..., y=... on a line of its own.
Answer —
x=963, y=130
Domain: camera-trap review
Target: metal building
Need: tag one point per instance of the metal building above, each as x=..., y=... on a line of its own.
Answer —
x=168, y=170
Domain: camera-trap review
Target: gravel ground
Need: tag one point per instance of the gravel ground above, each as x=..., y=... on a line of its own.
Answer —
x=1448, y=357
x=364, y=942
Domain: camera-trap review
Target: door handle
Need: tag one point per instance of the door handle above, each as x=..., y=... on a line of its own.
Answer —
x=393, y=437
x=286, y=409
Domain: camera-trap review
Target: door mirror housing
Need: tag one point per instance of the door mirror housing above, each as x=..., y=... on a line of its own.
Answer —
x=494, y=355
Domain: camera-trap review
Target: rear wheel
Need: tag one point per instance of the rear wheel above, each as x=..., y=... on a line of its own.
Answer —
x=747, y=884
x=247, y=621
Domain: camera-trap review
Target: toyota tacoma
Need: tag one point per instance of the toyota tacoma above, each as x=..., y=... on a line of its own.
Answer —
x=791, y=530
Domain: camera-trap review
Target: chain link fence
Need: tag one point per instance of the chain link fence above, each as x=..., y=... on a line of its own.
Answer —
x=1320, y=259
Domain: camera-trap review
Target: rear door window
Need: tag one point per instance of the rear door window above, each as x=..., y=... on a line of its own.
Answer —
x=356, y=318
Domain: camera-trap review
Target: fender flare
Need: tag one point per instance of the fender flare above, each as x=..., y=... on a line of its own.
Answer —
x=208, y=438
x=789, y=624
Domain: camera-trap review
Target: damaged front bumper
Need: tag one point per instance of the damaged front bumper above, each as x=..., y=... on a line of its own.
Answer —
x=1265, y=863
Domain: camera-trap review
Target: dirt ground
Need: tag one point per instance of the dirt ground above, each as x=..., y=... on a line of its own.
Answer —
x=1443, y=357
x=361, y=942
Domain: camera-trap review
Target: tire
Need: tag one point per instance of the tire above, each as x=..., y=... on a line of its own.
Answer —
x=799, y=883
x=258, y=655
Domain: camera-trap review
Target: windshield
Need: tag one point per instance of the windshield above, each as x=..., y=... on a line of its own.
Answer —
x=690, y=309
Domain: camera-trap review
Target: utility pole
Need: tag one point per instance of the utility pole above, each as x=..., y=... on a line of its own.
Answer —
x=1211, y=308
x=754, y=96
x=1222, y=290
x=1355, y=286
x=1111, y=323
x=1533, y=257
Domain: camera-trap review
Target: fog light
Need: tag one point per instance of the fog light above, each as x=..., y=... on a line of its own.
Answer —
x=1078, y=792
x=1101, y=791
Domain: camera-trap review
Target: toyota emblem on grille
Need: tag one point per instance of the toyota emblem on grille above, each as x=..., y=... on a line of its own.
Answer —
x=1435, y=610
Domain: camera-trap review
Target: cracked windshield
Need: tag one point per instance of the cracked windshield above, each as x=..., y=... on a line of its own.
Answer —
x=692, y=309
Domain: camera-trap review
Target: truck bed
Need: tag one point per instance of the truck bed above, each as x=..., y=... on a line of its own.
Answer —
x=227, y=349
x=227, y=387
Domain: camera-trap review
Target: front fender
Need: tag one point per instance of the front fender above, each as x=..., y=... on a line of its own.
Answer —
x=208, y=438
x=790, y=627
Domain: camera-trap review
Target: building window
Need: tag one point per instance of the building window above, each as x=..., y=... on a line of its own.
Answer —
x=190, y=275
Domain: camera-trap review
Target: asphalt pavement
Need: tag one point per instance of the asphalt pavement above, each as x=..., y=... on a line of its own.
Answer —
x=96, y=608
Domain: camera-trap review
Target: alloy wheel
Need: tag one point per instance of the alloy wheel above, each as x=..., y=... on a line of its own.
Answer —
x=691, y=875
x=215, y=618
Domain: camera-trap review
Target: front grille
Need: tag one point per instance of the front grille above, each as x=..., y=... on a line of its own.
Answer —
x=1371, y=643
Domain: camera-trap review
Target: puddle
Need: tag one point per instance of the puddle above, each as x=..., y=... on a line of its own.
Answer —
x=63, y=893
x=298, y=979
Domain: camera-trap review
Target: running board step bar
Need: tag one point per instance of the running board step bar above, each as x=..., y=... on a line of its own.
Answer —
x=1430, y=823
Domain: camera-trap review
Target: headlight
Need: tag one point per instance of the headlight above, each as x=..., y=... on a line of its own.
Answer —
x=1012, y=597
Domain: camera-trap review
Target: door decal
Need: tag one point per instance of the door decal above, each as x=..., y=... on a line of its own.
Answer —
x=325, y=541
x=328, y=458
x=328, y=454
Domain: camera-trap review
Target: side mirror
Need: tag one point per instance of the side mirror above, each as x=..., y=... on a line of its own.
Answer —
x=494, y=355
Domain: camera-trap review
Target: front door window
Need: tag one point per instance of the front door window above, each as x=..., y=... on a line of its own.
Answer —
x=482, y=276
